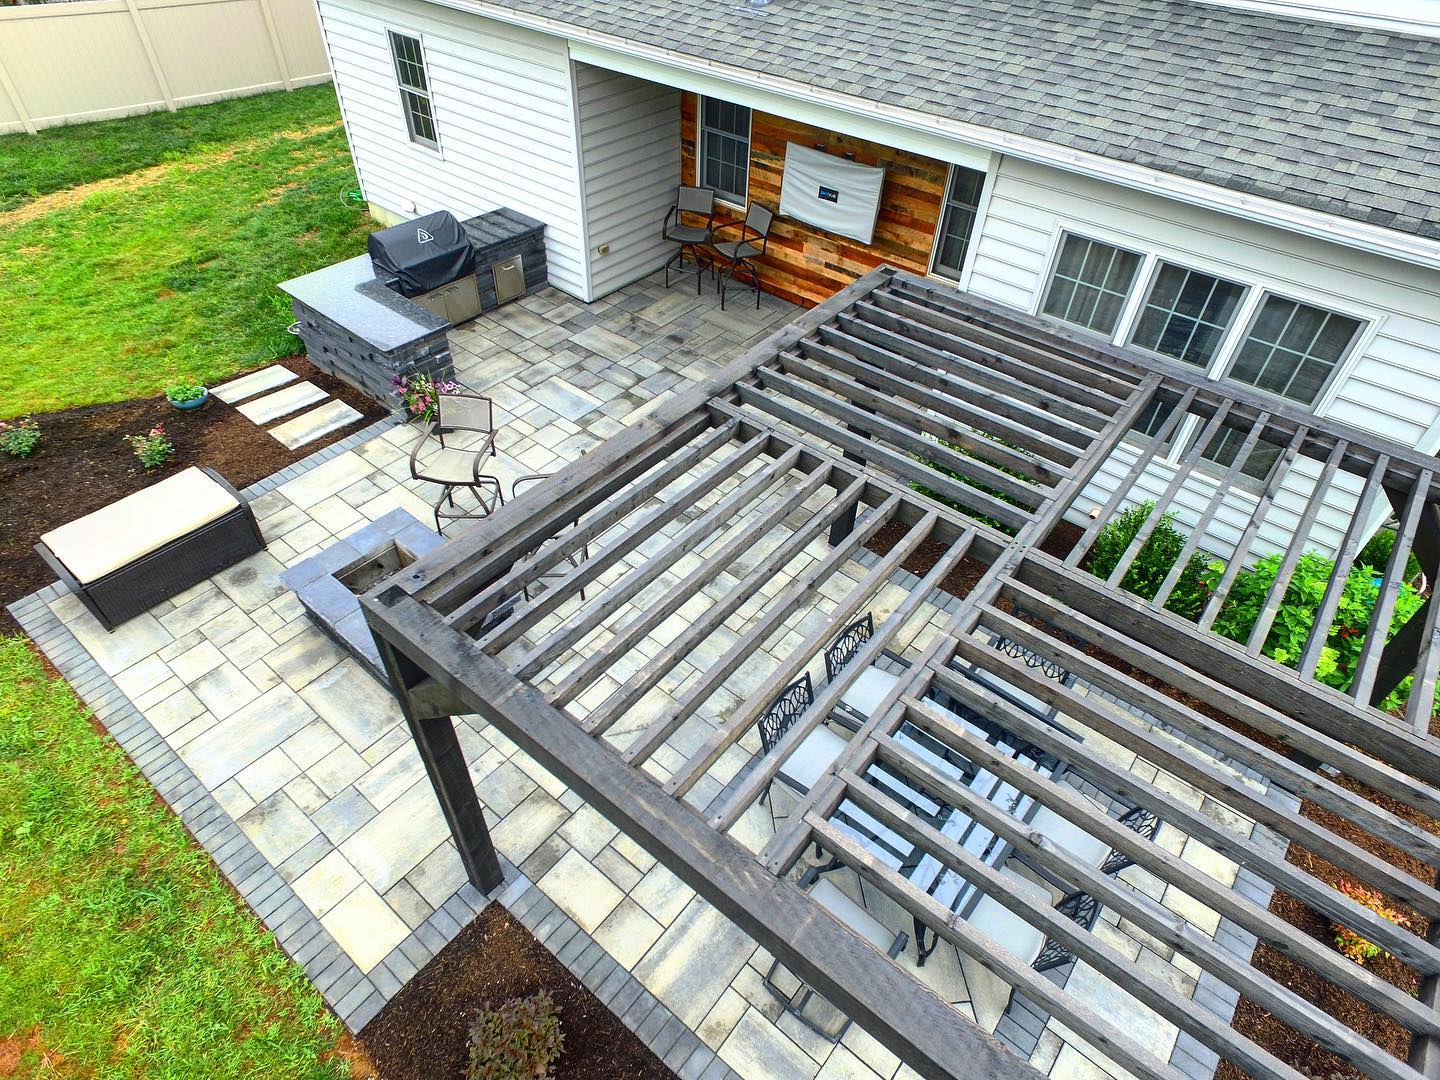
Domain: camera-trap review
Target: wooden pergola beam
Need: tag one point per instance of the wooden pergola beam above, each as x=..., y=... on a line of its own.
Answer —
x=903, y=1014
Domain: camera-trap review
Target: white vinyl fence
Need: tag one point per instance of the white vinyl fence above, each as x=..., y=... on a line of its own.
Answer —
x=95, y=59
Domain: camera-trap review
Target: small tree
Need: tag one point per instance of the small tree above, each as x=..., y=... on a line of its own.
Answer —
x=518, y=1040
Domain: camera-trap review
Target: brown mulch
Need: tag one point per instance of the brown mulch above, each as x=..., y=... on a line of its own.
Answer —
x=421, y=1034
x=1250, y=1019
x=83, y=463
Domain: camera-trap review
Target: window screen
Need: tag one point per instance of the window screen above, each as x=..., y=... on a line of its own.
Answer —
x=1292, y=349
x=414, y=89
x=957, y=221
x=1090, y=284
x=1186, y=314
x=725, y=149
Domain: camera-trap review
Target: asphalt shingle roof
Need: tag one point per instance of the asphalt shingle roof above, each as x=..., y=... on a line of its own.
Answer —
x=1342, y=120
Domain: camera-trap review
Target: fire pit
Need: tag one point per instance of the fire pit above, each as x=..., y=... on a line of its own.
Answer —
x=329, y=585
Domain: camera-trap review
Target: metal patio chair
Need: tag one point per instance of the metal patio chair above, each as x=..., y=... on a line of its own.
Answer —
x=573, y=559
x=741, y=252
x=693, y=202
x=452, y=467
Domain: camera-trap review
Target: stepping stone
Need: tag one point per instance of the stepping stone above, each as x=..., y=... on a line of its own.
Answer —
x=254, y=383
x=307, y=427
x=273, y=406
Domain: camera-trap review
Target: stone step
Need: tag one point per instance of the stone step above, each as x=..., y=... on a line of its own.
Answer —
x=281, y=402
x=318, y=422
x=256, y=382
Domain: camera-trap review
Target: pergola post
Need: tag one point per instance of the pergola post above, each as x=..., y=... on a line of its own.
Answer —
x=444, y=760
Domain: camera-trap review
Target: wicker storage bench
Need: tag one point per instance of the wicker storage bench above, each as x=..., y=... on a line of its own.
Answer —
x=126, y=557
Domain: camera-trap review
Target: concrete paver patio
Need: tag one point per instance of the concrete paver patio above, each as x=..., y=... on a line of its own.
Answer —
x=295, y=768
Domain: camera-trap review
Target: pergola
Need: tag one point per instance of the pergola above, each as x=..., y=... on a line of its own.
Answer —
x=713, y=529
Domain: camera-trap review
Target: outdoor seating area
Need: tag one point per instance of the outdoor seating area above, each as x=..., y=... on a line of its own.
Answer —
x=724, y=252
x=979, y=807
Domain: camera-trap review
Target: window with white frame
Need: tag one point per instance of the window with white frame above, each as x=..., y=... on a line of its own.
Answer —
x=957, y=221
x=1187, y=314
x=724, y=151
x=1090, y=283
x=1292, y=349
x=414, y=89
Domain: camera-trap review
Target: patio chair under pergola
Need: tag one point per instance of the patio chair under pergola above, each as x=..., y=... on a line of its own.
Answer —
x=780, y=477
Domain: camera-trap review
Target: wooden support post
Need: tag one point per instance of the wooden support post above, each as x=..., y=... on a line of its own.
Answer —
x=444, y=761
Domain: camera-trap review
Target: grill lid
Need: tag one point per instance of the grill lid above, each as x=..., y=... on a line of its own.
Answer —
x=422, y=254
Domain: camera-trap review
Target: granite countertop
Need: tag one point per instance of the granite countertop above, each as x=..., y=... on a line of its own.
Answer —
x=350, y=294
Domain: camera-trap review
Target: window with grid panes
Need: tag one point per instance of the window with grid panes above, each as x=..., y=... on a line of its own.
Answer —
x=1186, y=314
x=957, y=221
x=1292, y=349
x=1090, y=284
x=414, y=89
x=725, y=149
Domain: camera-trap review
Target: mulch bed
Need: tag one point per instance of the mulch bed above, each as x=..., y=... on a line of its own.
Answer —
x=1250, y=1019
x=82, y=464
x=422, y=1033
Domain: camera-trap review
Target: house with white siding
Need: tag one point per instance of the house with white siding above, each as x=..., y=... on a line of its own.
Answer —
x=1249, y=188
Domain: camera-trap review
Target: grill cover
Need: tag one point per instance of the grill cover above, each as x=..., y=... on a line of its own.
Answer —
x=422, y=254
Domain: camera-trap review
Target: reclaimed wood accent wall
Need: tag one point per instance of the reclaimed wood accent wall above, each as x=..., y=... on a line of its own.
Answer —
x=806, y=265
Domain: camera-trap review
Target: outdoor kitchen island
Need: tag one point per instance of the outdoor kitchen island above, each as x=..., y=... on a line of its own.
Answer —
x=370, y=324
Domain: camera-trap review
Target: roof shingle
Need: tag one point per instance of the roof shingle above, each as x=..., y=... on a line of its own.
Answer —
x=1333, y=118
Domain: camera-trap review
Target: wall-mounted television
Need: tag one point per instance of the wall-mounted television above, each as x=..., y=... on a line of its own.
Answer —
x=831, y=192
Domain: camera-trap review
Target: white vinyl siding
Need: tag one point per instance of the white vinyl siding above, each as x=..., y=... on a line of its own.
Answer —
x=505, y=106
x=1389, y=384
x=630, y=153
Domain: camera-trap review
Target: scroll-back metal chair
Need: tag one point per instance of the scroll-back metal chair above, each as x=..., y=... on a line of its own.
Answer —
x=1141, y=821
x=741, y=252
x=691, y=203
x=847, y=643
x=789, y=705
x=573, y=559
x=1080, y=908
x=454, y=468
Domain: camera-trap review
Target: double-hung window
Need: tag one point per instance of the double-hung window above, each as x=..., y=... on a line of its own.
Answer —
x=1090, y=284
x=414, y=89
x=724, y=151
x=957, y=222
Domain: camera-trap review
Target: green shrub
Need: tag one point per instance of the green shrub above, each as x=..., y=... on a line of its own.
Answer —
x=1376, y=555
x=18, y=438
x=1303, y=595
x=518, y=1040
x=1152, y=565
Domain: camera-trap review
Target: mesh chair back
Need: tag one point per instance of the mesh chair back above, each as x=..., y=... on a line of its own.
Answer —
x=759, y=217
x=468, y=412
x=693, y=200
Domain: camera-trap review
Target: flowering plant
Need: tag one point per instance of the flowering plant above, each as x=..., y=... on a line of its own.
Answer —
x=418, y=393
x=18, y=438
x=1351, y=944
x=153, y=448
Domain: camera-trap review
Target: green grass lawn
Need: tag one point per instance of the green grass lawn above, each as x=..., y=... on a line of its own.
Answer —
x=136, y=251
x=122, y=951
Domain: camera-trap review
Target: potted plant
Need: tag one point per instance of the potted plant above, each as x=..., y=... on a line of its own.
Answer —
x=187, y=395
x=417, y=394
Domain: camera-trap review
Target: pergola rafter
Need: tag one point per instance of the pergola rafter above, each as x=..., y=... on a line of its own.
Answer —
x=633, y=620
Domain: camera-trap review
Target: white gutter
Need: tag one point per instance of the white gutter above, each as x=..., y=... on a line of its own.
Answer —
x=1353, y=234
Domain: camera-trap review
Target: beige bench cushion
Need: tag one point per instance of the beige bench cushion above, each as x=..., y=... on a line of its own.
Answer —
x=116, y=535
